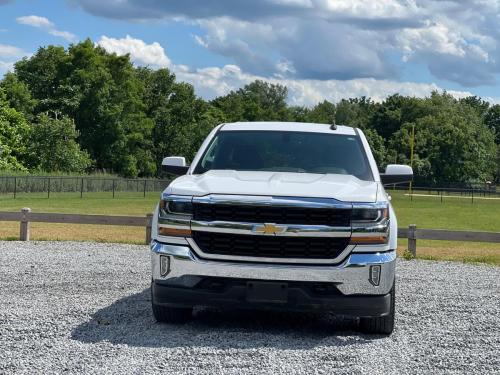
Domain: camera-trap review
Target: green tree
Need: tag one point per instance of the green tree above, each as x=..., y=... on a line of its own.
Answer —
x=298, y=114
x=356, y=112
x=181, y=119
x=492, y=121
x=476, y=103
x=451, y=143
x=13, y=135
x=377, y=146
x=18, y=95
x=102, y=93
x=323, y=113
x=53, y=146
x=44, y=75
x=257, y=101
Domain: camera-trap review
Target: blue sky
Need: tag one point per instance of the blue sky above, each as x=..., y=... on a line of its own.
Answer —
x=320, y=49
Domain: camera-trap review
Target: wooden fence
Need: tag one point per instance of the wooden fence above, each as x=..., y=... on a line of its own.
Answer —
x=25, y=217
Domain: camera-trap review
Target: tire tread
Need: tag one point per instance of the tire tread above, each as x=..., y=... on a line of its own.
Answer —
x=383, y=325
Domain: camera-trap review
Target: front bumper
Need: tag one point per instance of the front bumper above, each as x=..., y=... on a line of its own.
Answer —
x=224, y=293
x=351, y=277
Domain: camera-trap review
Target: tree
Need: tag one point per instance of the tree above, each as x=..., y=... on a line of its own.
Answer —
x=377, y=146
x=257, y=101
x=323, y=113
x=18, y=95
x=53, y=146
x=451, y=144
x=102, y=93
x=477, y=104
x=356, y=112
x=298, y=113
x=43, y=74
x=13, y=134
x=492, y=121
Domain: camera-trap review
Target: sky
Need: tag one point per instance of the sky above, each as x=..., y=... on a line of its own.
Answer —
x=319, y=49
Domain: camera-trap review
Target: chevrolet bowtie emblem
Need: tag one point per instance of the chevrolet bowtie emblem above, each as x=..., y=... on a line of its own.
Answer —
x=269, y=228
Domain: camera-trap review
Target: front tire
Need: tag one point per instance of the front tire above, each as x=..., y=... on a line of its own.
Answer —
x=383, y=325
x=168, y=314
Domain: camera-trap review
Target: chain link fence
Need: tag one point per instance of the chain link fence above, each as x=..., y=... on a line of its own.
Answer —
x=442, y=194
x=48, y=185
x=19, y=185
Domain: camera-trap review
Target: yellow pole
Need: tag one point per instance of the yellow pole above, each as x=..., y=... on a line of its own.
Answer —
x=412, y=146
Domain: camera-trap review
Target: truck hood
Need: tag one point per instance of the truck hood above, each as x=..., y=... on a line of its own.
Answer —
x=341, y=187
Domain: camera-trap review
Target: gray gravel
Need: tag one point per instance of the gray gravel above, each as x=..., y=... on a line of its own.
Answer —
x=85, y=307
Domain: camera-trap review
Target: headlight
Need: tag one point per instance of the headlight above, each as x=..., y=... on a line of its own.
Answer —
x=177, y=207
x=370, y=224
x=175, y=216
x=364, y=215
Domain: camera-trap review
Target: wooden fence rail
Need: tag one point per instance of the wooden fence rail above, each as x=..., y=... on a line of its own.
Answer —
x=25, y=217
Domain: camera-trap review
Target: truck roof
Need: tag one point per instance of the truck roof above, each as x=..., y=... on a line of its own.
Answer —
x=288, y=126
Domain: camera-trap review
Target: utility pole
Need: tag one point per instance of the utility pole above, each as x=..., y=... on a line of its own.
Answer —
x=412, y=147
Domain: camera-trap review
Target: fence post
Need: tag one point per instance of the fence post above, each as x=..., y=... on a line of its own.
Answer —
x=149, y=224
x=81, y=189
x=48, y=188
x=412, y=239
x=113, y=188
x=24, y=232
x=15, y=187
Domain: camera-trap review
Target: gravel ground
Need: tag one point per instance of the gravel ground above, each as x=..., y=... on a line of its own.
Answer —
x=85, y=307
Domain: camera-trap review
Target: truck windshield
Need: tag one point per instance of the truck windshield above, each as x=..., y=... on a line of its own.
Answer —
x=300, y=152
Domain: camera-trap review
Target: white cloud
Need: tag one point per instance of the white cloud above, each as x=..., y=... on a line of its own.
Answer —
x=337, y=39
x=298, y=3
x=7, y=50
x=47, y=25
x=6, y=66
x=63, y=34
x=433, y=38
x=368, y=8
x=35, y=21
x=211, y=82
x=8, y=55
x=152, y=55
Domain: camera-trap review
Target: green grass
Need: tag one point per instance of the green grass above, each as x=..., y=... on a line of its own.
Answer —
x=425, y=212
x=453, y=213
x=124, y=203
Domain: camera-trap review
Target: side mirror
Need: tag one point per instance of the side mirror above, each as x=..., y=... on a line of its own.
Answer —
x=396, y=174
x=175, y=165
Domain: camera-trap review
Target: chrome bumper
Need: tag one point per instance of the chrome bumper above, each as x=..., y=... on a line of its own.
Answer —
x=352, y=276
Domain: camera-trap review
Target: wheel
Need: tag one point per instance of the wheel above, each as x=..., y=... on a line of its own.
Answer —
x=383, y=325
x=167, y=314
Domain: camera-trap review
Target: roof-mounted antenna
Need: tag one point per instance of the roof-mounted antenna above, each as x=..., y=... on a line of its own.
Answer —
x=334, y=125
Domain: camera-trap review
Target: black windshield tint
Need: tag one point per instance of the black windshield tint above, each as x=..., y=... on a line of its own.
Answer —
x=301, y=152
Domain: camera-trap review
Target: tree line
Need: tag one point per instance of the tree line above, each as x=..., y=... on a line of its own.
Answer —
x=82, y=109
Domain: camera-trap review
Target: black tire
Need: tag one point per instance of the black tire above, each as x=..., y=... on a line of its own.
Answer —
x=167, y=314
x=383, y=325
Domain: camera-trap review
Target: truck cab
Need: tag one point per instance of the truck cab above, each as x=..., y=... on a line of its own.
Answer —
x=276, y=215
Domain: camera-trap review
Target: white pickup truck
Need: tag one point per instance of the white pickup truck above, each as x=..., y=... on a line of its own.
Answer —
x=275, y=215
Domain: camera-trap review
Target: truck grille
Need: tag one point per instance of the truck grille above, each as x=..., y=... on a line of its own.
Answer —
x=272, y=214
x=270, y=246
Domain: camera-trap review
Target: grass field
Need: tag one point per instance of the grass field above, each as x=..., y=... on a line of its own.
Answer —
x=425, y=212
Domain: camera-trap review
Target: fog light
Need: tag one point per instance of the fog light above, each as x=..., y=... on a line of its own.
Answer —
x=375, y=274
x=164, y=265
